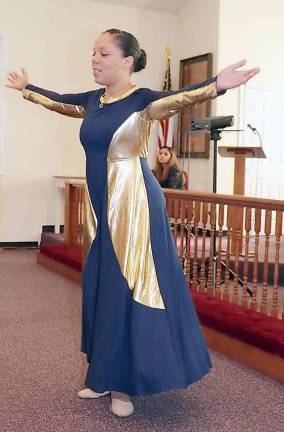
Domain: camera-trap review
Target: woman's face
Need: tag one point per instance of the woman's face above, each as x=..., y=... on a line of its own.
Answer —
x=108, y=63
x=164, y=156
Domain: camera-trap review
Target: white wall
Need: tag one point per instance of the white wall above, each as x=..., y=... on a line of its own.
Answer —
x=53, y=40
x=197, y=34
x=253, y=30
x=232, y=31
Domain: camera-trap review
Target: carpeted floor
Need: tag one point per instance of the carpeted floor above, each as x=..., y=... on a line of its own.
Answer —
x=42, y=370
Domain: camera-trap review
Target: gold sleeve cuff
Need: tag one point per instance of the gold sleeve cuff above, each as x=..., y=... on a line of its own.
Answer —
x=168, y=106
x=69, y=110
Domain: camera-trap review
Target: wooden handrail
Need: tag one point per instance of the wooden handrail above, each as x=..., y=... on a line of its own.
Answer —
x=239, y=200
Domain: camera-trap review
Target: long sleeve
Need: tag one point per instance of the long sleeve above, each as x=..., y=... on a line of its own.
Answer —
x=167, y=104
x=72, y=105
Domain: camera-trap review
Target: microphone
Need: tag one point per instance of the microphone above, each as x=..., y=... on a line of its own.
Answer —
x=253, y=129
x=212, y=123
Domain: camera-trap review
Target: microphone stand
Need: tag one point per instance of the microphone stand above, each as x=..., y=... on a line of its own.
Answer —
x=215, y=137
x=216, y=125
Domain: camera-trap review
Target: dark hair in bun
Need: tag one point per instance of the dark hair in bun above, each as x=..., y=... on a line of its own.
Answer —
x=129, y=45
x=141, y=62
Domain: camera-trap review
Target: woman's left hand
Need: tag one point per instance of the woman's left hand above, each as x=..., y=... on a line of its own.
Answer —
x=230, y=77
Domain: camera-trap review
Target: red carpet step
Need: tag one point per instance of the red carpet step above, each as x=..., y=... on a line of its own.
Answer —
x=70, y=255
x=249, y=326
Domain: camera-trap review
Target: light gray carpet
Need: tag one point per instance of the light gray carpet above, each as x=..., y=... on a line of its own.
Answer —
x=42, y=370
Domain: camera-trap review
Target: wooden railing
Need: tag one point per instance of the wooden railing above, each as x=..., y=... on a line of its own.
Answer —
x=229, y=245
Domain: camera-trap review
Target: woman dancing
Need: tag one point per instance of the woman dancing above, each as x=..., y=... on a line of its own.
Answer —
x=140, y=331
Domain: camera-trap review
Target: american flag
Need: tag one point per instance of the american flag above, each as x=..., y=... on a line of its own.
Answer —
x=166, y=127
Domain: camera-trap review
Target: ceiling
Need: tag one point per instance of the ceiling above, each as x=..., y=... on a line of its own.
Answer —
x=170, y=6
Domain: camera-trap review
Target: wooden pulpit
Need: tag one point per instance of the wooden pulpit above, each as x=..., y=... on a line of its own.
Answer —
x=240, y=154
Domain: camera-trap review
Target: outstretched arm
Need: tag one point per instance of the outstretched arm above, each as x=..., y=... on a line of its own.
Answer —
x=165, y=105
x=72, y=105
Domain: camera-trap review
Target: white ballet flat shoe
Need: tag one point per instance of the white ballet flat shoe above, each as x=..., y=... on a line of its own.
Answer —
x=90, y=394
x=121, y=408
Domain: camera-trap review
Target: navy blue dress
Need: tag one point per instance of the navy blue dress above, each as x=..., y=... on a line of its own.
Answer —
x=140, y=330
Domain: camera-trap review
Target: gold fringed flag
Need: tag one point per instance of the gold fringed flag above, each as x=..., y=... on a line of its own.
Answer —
x=166, y=127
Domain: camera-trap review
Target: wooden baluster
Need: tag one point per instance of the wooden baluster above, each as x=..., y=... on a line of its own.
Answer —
x=169, y=206
x=226, y=295
x=244, y=302
x=219, y=251
x=182, y=229
x=67, y=212
x=257, y=227
x=81, y=214
x=210, y=288
x=78, y=216
x=238, y=221
x=189, y=216
x=196, y=220
x=73, y=214
x=203, y=246
x=73, y=195
x=82, y=218
x=278, y=233
x=267, y=230
x=175, y=220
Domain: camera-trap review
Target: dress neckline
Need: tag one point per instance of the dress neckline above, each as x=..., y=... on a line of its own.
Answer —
x=118, y=98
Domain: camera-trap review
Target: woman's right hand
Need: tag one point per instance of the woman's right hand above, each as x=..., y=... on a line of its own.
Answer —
x=16, y=80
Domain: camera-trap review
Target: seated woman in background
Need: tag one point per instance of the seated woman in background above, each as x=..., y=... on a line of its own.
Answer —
x=167, y=171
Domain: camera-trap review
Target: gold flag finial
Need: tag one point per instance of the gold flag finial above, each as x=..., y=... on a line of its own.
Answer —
x=168, y=53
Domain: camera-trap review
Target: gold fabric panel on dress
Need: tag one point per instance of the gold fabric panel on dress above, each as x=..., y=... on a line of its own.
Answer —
x=131, y=138
x=77, y=111
x=129, y=224
x=168, y=106
x=90, y=224
x=128, y=211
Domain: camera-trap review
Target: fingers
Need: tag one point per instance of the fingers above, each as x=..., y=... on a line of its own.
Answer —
x=251, y=73
x=11, y=78
x=237, y=65
x=24, y=72
x=12, y=75
x=17, y=80
x=254, y=71
x=15, y=75
x=10, y=81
